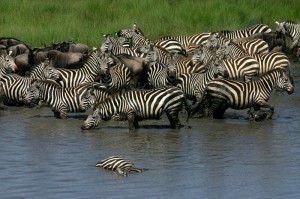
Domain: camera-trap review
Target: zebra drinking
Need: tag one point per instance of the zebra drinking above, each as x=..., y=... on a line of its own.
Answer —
x=138, y=105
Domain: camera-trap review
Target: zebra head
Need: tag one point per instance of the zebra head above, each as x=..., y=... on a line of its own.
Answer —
x=7, y=62
x=88, y=98
x=219, y=68
x=172, y=65
x=104, y=64
x=92, y=120
x=285, y=82
x=150, y=51
x=197, y=56
x=50, y=72
x=32, y=96
x=279, y=27
x=108, y=43
x=214, y=39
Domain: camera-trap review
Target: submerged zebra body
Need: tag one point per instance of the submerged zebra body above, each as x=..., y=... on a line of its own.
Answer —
x=222, y=94
x=138, y=105
x=119, y=164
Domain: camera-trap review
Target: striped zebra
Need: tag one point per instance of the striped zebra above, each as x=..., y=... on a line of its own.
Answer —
x=61, y=100
x=73, y=77
x=222, y=94
x=193, y=84
x=7, y=64
x=158, y=75
x=138, y=105
x=116, y=77
x=154, y=53
x=244, y=67
x=250, y=47
x=247, y=32
x=14, y=88
x=187, y=40
x=266, y=61
x=112, y=46
x=119, y=164
x=290, y=29
x=44, y=71
x=137, y=38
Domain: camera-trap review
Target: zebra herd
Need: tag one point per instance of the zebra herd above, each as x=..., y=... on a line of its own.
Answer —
x=130, y=77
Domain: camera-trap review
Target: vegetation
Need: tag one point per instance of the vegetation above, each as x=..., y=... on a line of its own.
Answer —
x=39, y=22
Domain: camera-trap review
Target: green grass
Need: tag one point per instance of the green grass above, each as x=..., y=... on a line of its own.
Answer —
x=39, y=22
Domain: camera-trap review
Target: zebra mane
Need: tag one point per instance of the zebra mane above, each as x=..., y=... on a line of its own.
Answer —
x=223, y=32
x=48, y=81
x=290, y=21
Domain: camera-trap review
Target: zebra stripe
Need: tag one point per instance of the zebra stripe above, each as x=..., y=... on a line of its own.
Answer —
x=245, y=67
x=290, y=29
x=140, y=104
x=44, y=71
x=119, y=164
x=7, y=64
x=111, y=45
x=223, y=93
x=14, y=88
x=73, y=77
x=136, y=36
x=62, y=100
x=258, y=28
x=158, y=75
x=255, y=46
x=115, y=78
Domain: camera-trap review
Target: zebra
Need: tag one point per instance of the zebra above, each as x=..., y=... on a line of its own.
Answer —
x=266, y=61
x=247, y=32
x=222, y=94
x=119, y=164
x=7, y=64
x=14, y=88
x=290, y=29
x=194, y=84
x=138, y=105
x=111, y=45
x=43, y=71
x=73, y=77
x=187, y=40
x=61, y=100
x=154, y=53
x=245, y=67
x=254, y=46
x=138, y=39
x=116, y=77
x=158, y=75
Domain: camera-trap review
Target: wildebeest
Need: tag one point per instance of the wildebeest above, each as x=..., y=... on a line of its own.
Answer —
x=69, y=60
x=70, y=46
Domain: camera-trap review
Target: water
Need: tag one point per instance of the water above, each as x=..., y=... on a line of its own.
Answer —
x=44, y=157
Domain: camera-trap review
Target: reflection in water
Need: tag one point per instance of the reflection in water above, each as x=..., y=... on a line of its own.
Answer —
x=226, y=158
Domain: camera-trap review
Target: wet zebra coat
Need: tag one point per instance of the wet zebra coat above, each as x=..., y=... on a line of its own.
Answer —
x=119, y=164
x=138, y=105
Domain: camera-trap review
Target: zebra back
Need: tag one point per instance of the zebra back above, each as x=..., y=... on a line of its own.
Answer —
x=258, y=28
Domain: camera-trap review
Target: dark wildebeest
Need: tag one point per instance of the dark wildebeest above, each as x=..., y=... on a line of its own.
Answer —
x=66, y=59
x=70, y=46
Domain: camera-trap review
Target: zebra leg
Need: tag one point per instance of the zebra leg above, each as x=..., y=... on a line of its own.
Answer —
x=265, y=104
x=132, y=120
x=174, y=120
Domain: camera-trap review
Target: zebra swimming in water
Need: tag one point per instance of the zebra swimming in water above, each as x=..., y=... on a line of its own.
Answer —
x=140, y=104
x=119, y=164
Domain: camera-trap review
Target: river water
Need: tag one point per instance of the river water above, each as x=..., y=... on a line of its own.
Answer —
x=45, y=157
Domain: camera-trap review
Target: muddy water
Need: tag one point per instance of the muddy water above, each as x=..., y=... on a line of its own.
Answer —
x=44, y=157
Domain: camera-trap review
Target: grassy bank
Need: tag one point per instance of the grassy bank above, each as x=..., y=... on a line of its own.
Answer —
x=41, y=21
